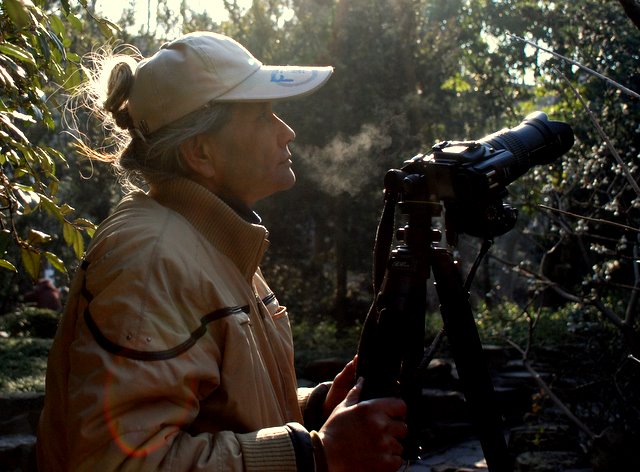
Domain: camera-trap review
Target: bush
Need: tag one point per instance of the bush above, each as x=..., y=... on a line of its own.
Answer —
x=550, y=325
x=23, y=364
x=29, y=321
x=323, y=340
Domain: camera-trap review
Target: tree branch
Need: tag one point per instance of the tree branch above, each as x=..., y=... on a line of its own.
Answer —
x=588, y=218
x=632, y=307
x=554, y=398
x=581, y=66
x=603, y=135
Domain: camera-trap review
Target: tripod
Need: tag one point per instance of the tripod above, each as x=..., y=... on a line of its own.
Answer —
x=392, y=342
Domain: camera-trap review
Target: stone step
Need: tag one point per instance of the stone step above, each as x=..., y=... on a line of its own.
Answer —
x=15, y=404
x=17, y=453
x=19, y=413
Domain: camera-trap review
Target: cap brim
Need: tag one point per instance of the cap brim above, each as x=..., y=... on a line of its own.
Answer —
x=278, y=82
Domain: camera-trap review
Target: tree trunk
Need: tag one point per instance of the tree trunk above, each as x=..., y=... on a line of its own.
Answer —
x=632, y=9
x=342, y=248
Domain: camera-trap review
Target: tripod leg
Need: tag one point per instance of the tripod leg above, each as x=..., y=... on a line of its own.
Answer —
x=469, y=358
x=392, y=341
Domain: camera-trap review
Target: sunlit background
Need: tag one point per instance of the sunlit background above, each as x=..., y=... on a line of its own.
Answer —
x=145, y=11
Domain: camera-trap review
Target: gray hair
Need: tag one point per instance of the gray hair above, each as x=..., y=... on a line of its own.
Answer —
x=138, y=159
x=157, y=156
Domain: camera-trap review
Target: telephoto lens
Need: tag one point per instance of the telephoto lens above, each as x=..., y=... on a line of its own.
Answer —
x=535, y=141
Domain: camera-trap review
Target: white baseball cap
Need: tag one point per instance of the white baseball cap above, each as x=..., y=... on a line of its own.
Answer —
x=197, y=68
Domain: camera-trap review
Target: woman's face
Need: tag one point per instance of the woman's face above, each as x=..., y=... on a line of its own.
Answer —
x=250, y=154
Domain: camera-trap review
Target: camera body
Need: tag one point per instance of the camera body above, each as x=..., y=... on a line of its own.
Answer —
x=470, y=177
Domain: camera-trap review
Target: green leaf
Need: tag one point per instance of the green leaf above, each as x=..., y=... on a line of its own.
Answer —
x=73, y=238
x=66, y=209
x=5, y=264
x=57, y=25
x=18, y=13
x=21, y=116
x=65, y=6
x=56, y=155
x=51, y=208
x=72, y=76
x=55, y=261
x=107, y=28
x=83, y=222
x=53, y=185
x=38, y=237
x=457, y=84
x=56, y=41
x=28, y=196
x=31, y=261
x=6, y=78
x=17, y=52
x=75, y=22
x=86, y=225
x=78, y=244
x=67, y=232
x=45, y=160
x=7, y=122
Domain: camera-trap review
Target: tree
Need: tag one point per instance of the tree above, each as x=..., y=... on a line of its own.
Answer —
x=581, y=214
x=594, y=195
x=35, y=65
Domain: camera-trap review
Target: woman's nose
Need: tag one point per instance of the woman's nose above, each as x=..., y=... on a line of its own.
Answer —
x=286, y=133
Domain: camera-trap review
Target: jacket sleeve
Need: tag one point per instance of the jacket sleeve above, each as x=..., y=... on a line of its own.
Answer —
x=311, y=401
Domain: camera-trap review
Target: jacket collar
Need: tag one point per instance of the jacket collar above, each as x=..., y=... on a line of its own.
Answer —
x=243, y=242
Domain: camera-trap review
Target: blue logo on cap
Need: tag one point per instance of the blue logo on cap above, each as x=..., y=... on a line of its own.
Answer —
x=292, y=77
x=278, y=77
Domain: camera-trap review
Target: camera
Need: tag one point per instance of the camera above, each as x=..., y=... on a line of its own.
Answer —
x=470, y=177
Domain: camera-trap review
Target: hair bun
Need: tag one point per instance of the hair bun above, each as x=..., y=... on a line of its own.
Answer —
x=118, y=88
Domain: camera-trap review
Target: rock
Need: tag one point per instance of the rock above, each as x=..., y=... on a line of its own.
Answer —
x=548, y=461
x=15, y=404
x=443, y=405
x=17, y=453
x=19, y=413
x=616, y=450
x=542, y=437
x=439, y=374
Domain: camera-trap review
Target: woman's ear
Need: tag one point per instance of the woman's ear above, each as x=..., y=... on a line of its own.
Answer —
x=197, y=157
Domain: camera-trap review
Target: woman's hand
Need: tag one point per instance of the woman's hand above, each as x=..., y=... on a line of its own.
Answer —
x=340, y=387
x=364, y=436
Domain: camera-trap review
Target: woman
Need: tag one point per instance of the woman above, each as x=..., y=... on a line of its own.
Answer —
x=173, y=353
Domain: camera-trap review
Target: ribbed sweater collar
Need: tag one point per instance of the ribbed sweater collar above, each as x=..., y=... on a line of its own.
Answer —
x=243, y=242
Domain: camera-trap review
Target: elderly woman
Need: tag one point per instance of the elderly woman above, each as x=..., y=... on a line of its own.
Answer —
x=173, y=353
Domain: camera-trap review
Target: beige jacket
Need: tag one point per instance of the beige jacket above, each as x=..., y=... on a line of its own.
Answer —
x=173, y=354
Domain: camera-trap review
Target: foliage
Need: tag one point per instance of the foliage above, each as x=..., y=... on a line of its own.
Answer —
x=589, y=235
x=549, y=326
x=322, y=340
x=35, y=63
x=23, y=364
x=28, y=321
